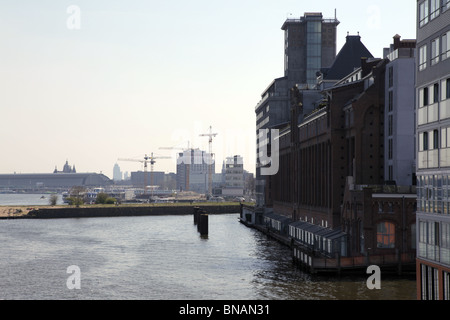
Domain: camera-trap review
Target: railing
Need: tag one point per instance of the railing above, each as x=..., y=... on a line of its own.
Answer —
x=363, y=261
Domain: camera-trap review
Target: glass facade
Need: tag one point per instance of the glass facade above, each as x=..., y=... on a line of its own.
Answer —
x=434, y=241
x=433, y=193
x=313, y=50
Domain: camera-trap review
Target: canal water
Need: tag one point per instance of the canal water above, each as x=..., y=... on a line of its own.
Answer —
x=164, y=258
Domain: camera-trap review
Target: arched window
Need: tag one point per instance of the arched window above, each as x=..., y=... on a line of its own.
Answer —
x=385, y=235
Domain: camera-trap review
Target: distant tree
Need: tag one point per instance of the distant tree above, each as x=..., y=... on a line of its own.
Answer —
x=77, y=194
x=110, y=200
x=75, y=201
x=53, y=199
x=101, y=198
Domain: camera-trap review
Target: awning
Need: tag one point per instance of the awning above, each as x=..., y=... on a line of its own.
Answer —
x=318, y=230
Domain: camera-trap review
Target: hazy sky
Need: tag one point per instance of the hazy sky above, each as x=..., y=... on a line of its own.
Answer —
x=91, y=81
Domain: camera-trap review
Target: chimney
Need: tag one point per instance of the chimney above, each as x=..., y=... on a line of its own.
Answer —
x=396, y=42
x=365, y=68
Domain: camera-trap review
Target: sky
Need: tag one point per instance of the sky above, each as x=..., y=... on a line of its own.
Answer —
x=94, y=81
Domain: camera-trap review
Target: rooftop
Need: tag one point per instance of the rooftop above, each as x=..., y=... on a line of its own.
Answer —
x=348, y=58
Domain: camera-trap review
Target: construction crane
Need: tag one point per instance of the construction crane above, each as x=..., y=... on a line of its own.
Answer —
x=211, y=136
x=187, y=165
x=147, y=159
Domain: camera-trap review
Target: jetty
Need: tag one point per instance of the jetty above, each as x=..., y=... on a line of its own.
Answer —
x=91, y=211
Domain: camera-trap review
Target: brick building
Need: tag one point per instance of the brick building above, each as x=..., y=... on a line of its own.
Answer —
x=326, y=157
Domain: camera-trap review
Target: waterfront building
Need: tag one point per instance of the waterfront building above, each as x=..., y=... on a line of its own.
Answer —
x=309, y=46
x=317, y=147
x=332, y=166
x=433, y=149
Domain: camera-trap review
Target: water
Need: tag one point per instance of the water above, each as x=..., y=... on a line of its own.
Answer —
x=22, y=199
x=164, y=258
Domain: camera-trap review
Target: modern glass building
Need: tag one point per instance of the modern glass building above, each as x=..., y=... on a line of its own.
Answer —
x=433, y=149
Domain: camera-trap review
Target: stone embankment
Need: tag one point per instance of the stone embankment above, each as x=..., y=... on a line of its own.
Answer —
x=120, y=211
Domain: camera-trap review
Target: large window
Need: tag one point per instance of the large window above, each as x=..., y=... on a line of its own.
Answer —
x=423, y=13
x=386, y=235
x=445, y=5
x=430, y=282
x=313, y=50
x=423, y=57
x=435, y=8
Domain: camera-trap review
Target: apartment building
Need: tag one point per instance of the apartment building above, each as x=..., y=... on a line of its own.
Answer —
x=433, y=149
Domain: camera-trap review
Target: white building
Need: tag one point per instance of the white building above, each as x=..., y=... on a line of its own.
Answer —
x=234, y=176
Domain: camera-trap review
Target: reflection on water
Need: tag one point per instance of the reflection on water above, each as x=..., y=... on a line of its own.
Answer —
x=163, y=257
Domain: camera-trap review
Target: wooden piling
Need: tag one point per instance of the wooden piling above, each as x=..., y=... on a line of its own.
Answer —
x=203, y=224
x=196, y=213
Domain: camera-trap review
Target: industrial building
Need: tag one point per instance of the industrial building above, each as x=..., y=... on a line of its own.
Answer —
x=309, y=46
x=344, y=190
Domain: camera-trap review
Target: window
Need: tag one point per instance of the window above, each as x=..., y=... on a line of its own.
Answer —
x=425, y=96
x=425, y=141
x=444, y=138
x=429, y=282
x=436, y=93
x=391, y=76
x=390, y=149
x=435, y=51
x=423, y=13
x=446, y=277
x=386, y=235
x=445, y=45
x=391, y=101
x=447, y=88
x=422, y=57
x=445, y=5
x=434, y=9
x=436, y=139
x=390, y=125
x=390, y=207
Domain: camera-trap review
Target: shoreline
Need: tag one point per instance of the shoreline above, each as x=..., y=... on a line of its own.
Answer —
x=54, y=212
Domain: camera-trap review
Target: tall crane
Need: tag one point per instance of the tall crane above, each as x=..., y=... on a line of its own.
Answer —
x=211, y=136
x=147, y=159
x=187, y=165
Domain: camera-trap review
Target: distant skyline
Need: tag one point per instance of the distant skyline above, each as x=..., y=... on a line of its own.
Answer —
x=94, y=81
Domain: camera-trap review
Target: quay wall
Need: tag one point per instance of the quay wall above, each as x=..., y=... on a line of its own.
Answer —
x=124, y=211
